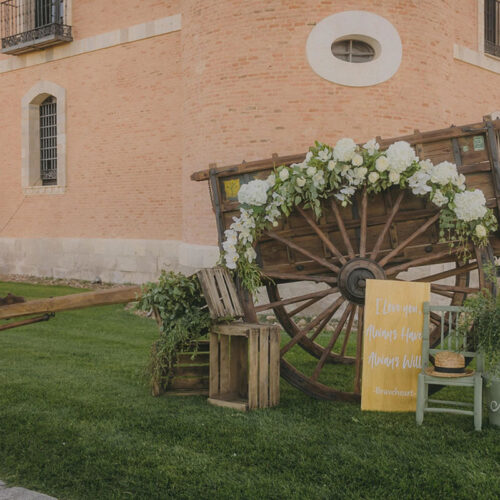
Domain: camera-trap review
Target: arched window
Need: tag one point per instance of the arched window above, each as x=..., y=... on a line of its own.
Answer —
x=44, y=139
x=48, y=141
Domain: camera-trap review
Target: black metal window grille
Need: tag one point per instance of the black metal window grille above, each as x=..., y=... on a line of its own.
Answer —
x=48, y=141
x=492, y=27
x=353, y=51
x=25, y=22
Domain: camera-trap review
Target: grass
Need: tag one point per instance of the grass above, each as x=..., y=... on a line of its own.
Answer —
x=77, y=422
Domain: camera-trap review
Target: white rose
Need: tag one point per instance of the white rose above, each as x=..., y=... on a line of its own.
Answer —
x=284, y=174
x=400, y=155
x=311, y=171
x=357, y=160
x=318, y=179
x=480, y=231
x=271, y=180
x=372, y=146
x=382, y=164
x=360, y=172
x=470, y=205
x=301, y=182
x=331, y=165
x=394, y=177
x=309, y=155
x=344, y=149
x=373, y=177
x=439, y=199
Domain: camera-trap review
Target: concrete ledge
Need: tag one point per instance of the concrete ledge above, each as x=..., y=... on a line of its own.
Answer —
x=103, y=41
x=109, y=260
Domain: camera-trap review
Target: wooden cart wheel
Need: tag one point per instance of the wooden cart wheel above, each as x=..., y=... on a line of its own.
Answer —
x=343, y=269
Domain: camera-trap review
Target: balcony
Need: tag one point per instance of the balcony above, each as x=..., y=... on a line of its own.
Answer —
x=28, y=25
x=492, y=27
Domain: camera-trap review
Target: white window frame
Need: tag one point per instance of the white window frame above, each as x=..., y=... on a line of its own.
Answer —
x=30, y=128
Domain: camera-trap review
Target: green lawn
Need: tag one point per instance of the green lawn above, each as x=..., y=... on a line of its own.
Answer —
x=77, y=421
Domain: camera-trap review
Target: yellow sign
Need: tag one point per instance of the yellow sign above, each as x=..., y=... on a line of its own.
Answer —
x=231, y=187
x=392, y=344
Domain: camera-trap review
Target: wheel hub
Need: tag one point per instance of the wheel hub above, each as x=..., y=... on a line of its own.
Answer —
x=353, y=276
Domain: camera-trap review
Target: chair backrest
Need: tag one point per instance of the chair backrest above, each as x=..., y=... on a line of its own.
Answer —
x=220, y=293
x=447, y=319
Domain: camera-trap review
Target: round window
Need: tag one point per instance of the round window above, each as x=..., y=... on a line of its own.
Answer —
x=353, y=51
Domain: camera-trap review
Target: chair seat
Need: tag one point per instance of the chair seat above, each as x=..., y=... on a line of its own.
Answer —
x=455, y=381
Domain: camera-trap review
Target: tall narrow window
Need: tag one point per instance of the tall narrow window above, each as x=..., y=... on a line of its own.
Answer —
x=492, y=27
x=48, y=141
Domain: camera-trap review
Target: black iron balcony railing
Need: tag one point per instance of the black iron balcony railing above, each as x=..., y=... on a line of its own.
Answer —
x=27, y=25
x=492, y=27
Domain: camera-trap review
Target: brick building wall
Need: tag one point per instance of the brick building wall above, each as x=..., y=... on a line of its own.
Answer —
x=148, y=106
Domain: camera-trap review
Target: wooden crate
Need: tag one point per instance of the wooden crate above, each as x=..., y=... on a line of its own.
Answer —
x=191, y=374
x=244, y=366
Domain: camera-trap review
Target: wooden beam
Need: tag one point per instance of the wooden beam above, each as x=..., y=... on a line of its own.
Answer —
x=68, y=302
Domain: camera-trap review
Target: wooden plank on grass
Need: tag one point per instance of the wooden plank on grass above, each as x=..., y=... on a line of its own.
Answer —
x=214, y=365
x=224, y=368
x=253, y=368
x=274, y=367
x=264, y=367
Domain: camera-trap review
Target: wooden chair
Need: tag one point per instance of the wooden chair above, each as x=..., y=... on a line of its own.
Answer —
x=447, y=317
x=244, y=357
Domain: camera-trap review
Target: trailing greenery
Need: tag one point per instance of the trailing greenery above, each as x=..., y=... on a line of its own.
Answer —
x=77, y=422
x=182, y=315
x=482, y=318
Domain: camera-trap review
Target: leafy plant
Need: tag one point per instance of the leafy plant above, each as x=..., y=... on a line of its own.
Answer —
x=482, y=318
x=182, y=316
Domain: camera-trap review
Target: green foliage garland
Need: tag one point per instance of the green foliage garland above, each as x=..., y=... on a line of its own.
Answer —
x=180, y=309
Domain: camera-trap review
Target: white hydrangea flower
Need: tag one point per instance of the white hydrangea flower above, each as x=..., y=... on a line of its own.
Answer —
x=394, y=177
x=373, y=177
x=357, y=160
x=480, y=231
x=324, y=154
x=253, y=193
x=400, y=155
x=425, y=165
x=311, y=171
x=301, y=182
x=372, y=146
x=418, y=182
x=382, y=164
x=344, y=149
x=470, y=205
x=443, y=173
x=284, y=174
x=331, y=165
x=439, y=199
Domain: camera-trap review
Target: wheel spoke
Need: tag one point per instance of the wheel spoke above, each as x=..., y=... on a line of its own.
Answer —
x=323, y=324
x=322, y=236
x=303, y=306
x=343, y=232
x=303, y=251
x=300, y=277
x=362, y=236
x=446, y=274
x=359, y=352
x=301, y=333
x=408, y=240
x=450, y=288
x=386, y=227
x=331, y=342
x=348, y=330
x=294, y=300
x=392, y=271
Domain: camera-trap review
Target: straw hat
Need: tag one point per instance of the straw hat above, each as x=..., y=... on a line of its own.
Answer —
x=449, y=364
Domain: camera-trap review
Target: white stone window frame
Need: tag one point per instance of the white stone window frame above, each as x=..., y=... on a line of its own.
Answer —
x=478, y=57
x=356, y=25
x=30, y=129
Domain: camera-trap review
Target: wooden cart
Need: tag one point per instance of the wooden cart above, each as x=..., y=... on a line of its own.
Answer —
x=324, y=264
